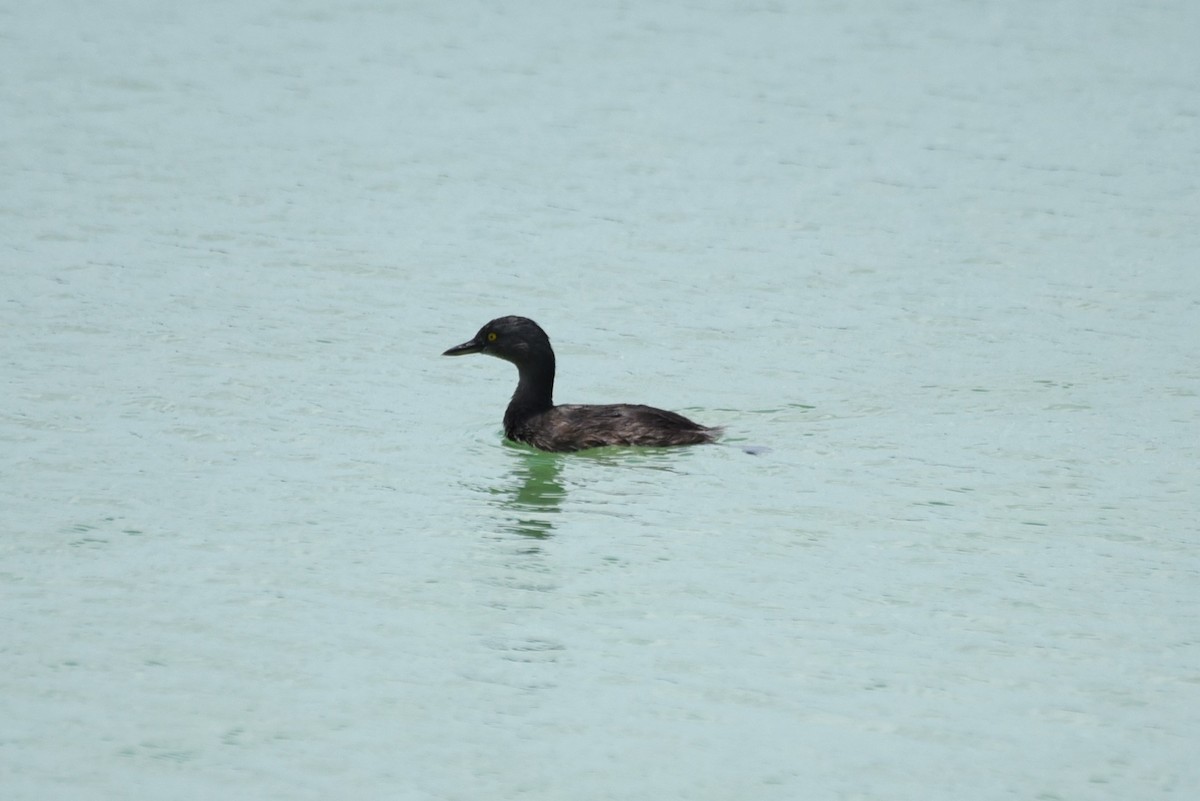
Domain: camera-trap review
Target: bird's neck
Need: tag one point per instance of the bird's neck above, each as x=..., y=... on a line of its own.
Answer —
x=535, y=392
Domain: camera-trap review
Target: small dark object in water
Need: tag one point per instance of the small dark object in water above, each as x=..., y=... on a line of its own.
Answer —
x=533, y=418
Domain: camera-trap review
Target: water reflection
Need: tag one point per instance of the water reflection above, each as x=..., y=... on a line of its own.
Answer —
x=535, y=492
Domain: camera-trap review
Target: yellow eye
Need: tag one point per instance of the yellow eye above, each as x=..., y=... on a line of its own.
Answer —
x=491, y=336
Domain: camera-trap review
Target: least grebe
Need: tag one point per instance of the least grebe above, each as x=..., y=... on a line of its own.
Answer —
x=533, y=418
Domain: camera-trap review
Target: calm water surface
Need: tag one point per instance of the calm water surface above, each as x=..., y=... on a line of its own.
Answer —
x=259, y=540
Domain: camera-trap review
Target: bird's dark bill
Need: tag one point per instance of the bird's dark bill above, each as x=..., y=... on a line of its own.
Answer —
x=474, y=346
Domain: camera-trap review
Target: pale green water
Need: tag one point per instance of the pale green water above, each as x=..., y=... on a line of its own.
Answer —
x=259, y=540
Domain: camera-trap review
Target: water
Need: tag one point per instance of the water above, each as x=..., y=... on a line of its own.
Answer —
x=261, y=541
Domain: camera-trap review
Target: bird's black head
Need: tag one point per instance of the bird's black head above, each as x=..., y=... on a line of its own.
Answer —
x=515, y=339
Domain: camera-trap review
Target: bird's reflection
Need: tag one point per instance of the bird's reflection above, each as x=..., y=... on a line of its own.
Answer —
x=534, y=492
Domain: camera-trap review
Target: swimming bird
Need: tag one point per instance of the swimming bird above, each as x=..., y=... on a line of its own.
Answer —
x=533, y=418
